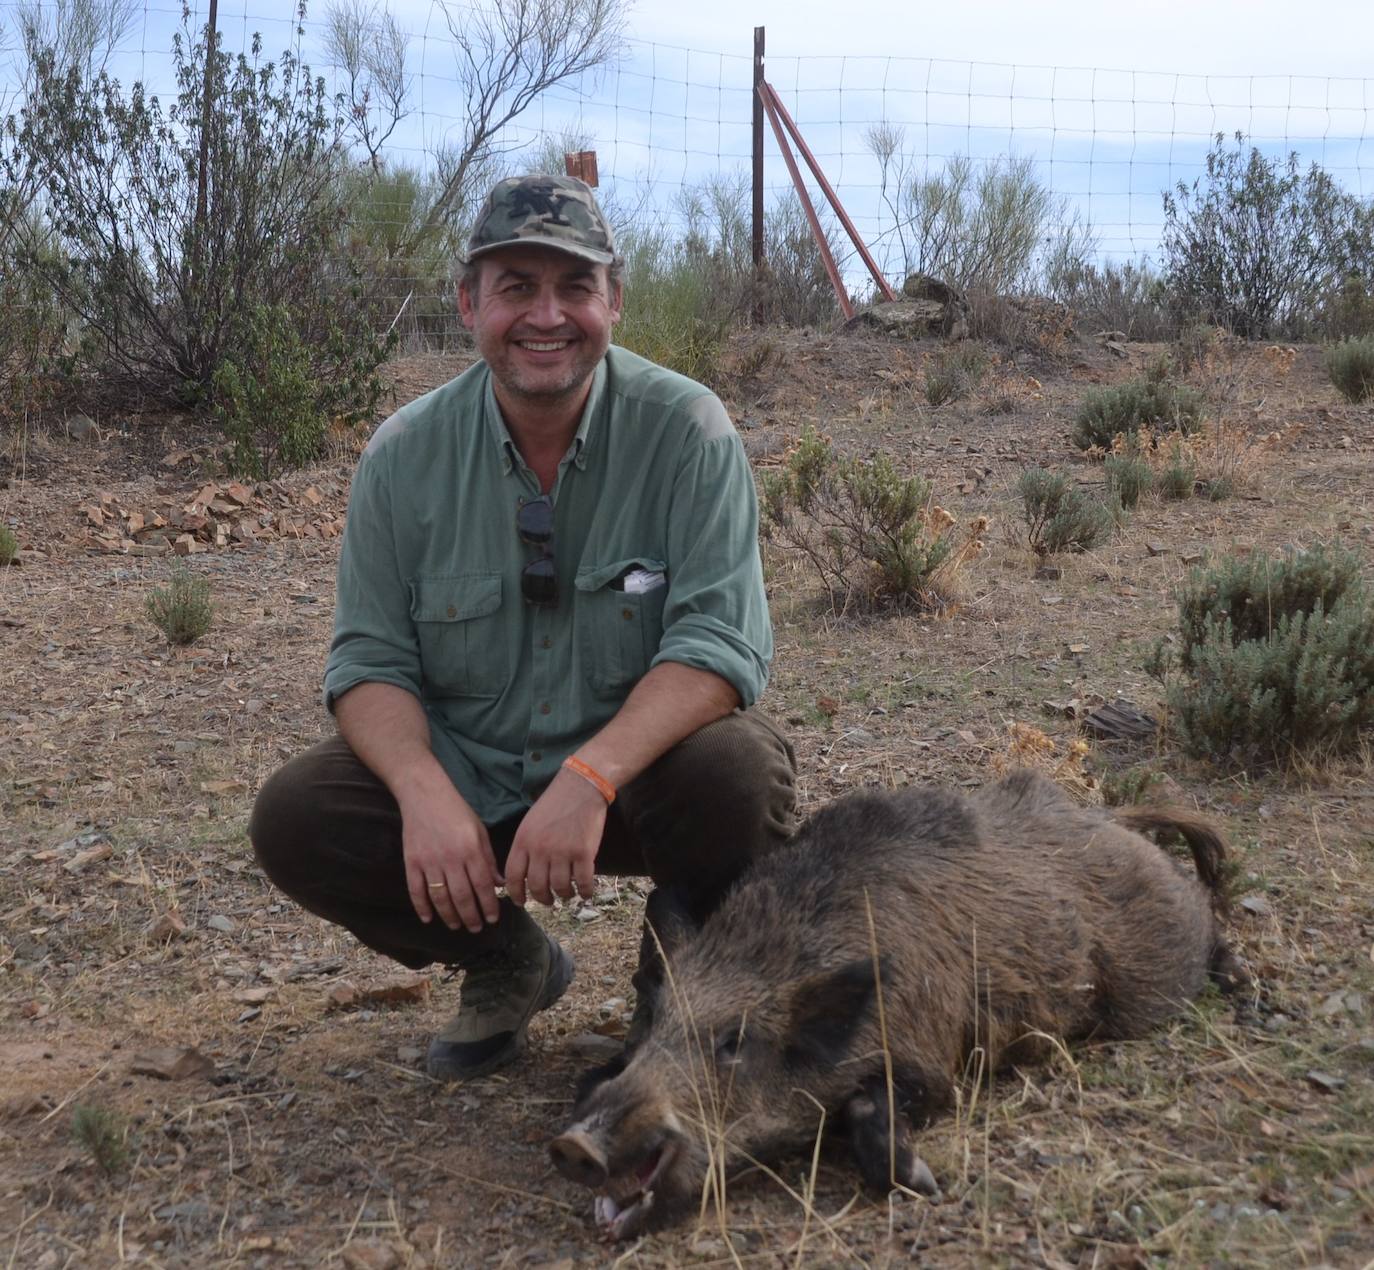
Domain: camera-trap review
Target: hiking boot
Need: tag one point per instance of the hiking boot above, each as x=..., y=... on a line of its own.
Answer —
x=502, y=990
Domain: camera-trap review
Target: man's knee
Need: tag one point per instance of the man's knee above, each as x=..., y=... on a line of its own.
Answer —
x=741, y=772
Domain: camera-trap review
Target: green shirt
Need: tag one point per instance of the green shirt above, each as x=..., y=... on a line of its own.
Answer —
x=655, y=482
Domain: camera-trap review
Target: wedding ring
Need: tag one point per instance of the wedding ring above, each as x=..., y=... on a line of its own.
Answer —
x=438, y=886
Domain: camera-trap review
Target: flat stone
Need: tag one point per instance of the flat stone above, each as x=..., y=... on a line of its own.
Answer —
x=597, y=1049
x=173, y=1062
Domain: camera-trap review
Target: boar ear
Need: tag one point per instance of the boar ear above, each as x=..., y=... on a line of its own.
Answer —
x=827, y=1010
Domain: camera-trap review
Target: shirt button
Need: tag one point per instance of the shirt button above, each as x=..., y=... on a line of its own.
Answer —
x=545, y=708
x=452, y=612
x=535, y=756
x=627, y=614
x=546, y=642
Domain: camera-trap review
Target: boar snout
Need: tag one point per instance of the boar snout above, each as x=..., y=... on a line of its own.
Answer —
x=576, y=1155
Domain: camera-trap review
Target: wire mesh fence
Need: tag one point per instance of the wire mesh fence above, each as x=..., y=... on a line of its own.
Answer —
x=671, y=125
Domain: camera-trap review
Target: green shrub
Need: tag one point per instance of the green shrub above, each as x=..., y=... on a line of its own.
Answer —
x=104, y=1134
x=271, y=400
x=1154, y=398
x=1059, y=516
x=1276, y=656
x=1128, y=477
x=1255, y=244
x=9, y=545
x=869, y=532
x=1350, y=364
x=1177, y=479
x=182, y=609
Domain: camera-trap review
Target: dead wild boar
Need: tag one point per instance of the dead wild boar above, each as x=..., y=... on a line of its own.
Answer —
x=1000, y=920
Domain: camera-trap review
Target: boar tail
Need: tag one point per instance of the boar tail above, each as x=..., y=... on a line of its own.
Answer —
x=1206, y=844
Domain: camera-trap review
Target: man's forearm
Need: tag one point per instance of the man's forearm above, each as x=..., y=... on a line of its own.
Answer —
x=387, y=728
x=670, y=703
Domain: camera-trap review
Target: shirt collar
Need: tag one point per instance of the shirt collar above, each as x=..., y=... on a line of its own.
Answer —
x=587, y=427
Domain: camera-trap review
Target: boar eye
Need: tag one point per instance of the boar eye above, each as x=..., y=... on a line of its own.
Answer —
x=728, y=1044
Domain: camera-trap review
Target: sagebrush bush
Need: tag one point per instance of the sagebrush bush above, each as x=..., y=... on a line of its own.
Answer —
x=181, y=610
x=870, y=533
x=1350, y=365
x=1059, y=516
x=1154, y=398
x=1128, y=477
x=9, y=545
x=1275, y=656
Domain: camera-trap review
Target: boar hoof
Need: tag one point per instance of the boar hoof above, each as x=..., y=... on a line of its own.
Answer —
x=578, y=1158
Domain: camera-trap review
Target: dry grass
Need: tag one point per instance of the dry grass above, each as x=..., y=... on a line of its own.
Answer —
x=1239, y=1140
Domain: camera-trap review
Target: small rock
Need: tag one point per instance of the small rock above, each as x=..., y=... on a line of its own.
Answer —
x=254, y=996
x=411, y=989
x=1325, y=1082
x=1256, y=906
x=411, y=1054
x=342, y=996
x=172, y=1062
x=1156, y=548
x=588, y=913
x=1049, y=573
x=164, y=929
x=249, y=1015
x=597, y=1049
x=1333, y=1005
x=370, y=1254
x=613, y=1008
x=1190, y=557
x=224, y=925
x=92, y=855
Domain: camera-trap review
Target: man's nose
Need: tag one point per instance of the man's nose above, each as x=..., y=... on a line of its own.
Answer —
x=545, y=308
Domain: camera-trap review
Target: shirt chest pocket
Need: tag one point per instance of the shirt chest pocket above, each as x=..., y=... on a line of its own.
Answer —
x=619, y=630
x=463, y=652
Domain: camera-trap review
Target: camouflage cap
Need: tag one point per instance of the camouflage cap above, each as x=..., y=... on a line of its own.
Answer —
x=547, y=211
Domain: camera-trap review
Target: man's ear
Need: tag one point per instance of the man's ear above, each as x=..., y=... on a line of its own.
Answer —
x=617, y=299
x=827, y=1010
x=467, y=301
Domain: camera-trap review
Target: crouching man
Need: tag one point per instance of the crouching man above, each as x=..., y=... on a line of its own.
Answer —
x=550, y=632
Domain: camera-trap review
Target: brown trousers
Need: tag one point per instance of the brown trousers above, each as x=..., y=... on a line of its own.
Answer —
x=328, y=833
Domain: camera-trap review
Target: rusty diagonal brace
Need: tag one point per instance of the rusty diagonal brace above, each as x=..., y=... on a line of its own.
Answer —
x=779, y=117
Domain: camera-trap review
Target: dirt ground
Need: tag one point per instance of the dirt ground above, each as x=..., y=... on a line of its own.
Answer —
x=133, y=919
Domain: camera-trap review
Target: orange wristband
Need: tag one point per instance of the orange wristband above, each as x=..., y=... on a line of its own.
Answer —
x=592, y=776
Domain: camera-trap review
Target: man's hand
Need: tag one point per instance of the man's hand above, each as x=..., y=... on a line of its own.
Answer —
x=450, y=867
x=556, y=844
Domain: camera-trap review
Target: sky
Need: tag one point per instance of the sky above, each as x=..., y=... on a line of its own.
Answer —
x=1112, y=102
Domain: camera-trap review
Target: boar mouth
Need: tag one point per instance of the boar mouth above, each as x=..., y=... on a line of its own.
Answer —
x=626, y=1203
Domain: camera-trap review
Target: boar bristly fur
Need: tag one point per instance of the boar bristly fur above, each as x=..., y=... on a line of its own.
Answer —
x=920, y=933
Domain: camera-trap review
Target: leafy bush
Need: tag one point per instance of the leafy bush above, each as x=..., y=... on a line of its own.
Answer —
x=9, y=545
x=1254, y=244
x=1059, y=516
x=1128, y=477
x=182, y=609
x=1150, y=399
x=1350, y=364
x=161, y=256
x=1129, y=297
x=870, y=533
x=1276, y=656
x=270, y=401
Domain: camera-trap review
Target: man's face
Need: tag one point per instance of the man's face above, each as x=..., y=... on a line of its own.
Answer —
x=542, y=320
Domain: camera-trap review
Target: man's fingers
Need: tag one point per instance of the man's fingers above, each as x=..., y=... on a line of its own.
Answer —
x=465, y=901
x=419, y=893
x=584, y=874
x=538, y=881
x=516, y=864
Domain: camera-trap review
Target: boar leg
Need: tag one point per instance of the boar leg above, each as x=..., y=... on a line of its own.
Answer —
x=882, y=1143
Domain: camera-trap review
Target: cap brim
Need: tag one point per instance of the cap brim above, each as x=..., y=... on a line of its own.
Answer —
x=594, y=254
